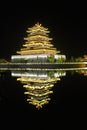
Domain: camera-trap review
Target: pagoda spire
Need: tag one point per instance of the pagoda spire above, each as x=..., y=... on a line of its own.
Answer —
x=39, y=24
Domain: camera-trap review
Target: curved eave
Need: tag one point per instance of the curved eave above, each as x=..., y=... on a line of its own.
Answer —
x=37, y=94
x=38, y=103
x=38, y=87
x=34, y=33
x=32, y=38
x=37, y=27
x=39, y=51
x=37, y=48
x=37, y=44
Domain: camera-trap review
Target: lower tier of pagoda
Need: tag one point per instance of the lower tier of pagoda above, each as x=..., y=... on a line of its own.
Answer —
x=37, y=51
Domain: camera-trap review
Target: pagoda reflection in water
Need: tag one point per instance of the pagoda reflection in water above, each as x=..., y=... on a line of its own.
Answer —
x=38, y=84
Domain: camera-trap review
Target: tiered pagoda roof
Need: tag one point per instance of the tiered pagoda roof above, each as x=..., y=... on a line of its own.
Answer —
x=37, y=42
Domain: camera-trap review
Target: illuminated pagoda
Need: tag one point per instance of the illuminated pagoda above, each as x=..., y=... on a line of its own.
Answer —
x=37, y=47
x=38, y=84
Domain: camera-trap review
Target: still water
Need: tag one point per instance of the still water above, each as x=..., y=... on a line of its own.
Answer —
x=67, y=90
x=67, y=94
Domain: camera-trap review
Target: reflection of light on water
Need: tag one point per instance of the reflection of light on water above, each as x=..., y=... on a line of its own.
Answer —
x=83, y=71
x=38, y=84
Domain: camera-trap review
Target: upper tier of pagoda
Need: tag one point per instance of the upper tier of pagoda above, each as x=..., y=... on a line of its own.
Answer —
x=38, y=27
x=37, y=42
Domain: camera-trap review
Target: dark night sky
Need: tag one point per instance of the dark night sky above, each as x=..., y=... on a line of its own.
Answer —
x=68, y=28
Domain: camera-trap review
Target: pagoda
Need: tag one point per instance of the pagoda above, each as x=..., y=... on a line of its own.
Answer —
x=37, y=46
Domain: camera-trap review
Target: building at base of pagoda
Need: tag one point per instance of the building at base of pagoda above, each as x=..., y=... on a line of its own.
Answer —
x=37, y=58
x=37, y=47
